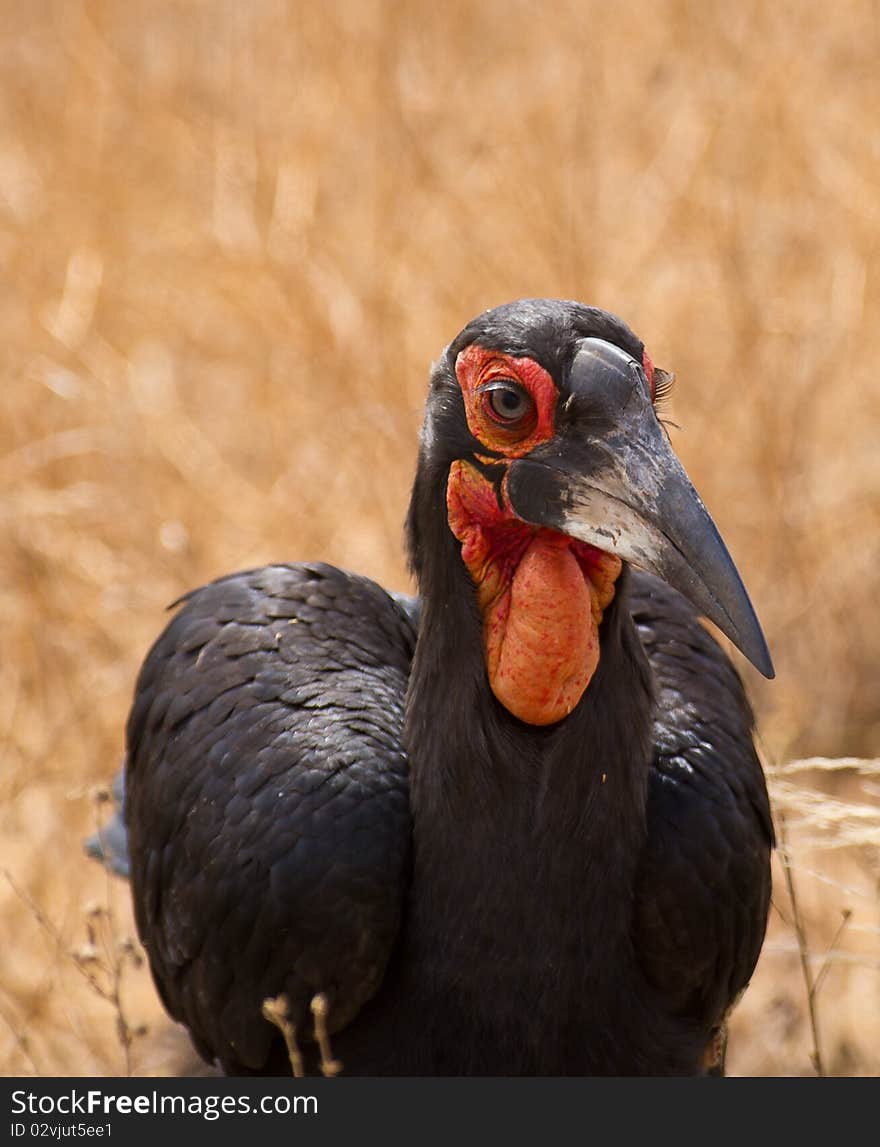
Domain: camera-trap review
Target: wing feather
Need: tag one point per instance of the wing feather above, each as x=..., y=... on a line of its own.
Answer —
x=704, y=886
x=267, y=801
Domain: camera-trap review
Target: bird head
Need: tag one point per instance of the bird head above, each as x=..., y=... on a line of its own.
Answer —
x=541, y=432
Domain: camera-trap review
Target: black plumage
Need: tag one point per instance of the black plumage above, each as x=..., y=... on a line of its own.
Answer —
x=325, y=796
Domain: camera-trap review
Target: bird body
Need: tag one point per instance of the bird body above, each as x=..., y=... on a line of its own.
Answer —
x=516, y=826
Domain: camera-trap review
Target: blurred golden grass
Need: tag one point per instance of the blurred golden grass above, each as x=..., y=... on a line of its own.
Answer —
x=233, y=238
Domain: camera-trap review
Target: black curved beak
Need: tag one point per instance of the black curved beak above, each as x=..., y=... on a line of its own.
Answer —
x=610, y=478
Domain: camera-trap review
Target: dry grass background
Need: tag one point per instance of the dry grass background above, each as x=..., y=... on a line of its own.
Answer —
x=232, y=238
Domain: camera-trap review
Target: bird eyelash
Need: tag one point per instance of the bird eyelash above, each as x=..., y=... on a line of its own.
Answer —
x=663, y=384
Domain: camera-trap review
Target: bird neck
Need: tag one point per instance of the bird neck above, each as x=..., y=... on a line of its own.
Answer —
x=507, y=813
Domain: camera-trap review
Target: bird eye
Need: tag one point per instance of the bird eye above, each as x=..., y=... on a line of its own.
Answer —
x=506, y=402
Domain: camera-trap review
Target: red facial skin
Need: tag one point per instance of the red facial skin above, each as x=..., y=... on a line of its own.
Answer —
x=541, y=593
x=476, y=366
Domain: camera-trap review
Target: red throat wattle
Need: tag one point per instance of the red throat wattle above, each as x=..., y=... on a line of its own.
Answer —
x=541, y=595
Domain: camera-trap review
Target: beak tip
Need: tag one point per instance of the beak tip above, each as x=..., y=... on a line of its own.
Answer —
x=757, y=653
x=765, y=666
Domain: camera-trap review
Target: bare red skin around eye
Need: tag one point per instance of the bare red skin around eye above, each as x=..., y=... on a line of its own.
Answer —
x=648, y=368
x=541, y=595
x=476, y=366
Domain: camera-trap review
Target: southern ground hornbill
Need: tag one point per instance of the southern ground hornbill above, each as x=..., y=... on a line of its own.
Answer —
x=514, y=826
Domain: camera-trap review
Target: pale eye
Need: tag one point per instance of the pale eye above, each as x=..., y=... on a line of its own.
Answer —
x=507, y=402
